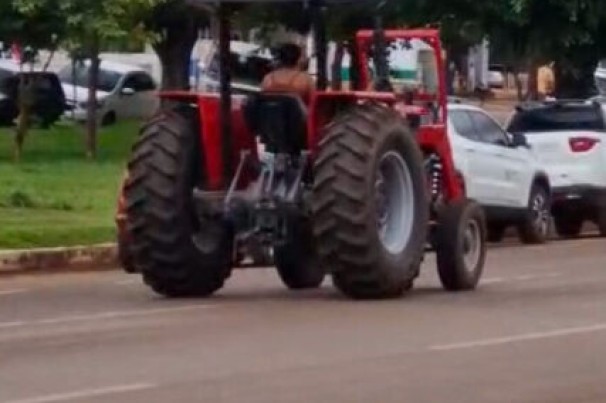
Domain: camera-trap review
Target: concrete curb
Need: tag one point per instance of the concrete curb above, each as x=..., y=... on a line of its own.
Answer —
x=60, y=259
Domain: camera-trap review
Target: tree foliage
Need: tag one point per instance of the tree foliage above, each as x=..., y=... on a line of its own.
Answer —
x=523, y=33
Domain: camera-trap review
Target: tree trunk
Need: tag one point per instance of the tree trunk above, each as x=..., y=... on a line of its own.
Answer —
x=337, y=80
x=26, y=101
x=532, y=92
x=91, y=110
x=49, y=60
x=174, y=51
x=518, y=83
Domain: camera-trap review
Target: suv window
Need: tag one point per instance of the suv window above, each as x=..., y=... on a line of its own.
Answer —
x=463, y=124
x=140, y=82
x=558, y=118
x=488, y=130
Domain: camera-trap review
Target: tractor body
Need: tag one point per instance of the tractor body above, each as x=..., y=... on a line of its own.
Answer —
x=354, y=184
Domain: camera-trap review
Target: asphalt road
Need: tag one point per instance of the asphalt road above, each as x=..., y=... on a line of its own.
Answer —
x=535, y=331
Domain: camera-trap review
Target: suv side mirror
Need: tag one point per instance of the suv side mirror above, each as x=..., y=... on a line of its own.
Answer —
x=519, y=140
x=127, y=91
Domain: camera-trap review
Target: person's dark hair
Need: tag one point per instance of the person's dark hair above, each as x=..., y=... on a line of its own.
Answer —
x=289, y=55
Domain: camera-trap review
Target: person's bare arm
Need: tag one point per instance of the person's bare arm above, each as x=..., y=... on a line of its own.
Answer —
x=265, y=84
x=311, y=84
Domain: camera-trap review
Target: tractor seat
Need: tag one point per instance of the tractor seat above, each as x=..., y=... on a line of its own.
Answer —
x=279, y=120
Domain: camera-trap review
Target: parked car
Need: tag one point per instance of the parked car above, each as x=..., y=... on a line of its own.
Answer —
x=496, y=76
x=501, y=172
x=8, y=109
x=123, y=91
x=569, y=138
x=600, y=77
x=49, y=99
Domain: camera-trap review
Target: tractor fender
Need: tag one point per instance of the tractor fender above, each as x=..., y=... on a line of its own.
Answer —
x=208, y=125
x=324, y=106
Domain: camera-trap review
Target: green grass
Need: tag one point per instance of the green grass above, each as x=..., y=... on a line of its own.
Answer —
x=55, y=196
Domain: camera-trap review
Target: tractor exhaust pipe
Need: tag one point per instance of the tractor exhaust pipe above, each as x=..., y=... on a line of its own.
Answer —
x=382, y=83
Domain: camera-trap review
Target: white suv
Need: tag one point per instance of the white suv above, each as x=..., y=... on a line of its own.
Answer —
x=569, y=138
x=500, y=171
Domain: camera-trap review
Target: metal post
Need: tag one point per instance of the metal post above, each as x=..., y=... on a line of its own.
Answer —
x=321, y=48
x=225, y=93
x=380, y=56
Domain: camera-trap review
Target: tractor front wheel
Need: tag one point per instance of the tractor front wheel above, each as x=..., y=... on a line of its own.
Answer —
x=178, y=255
x=370, y=203
x=461, y=245
x=295, y=257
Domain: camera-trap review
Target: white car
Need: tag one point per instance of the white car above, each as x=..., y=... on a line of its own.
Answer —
x=569, y=137
x=501, y=172
x=496, y=76
x=124, y=91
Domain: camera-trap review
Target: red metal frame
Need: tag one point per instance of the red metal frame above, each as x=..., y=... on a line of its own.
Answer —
x=209, y=105
x=433, y=137
x=322, y=108
x=364, y=39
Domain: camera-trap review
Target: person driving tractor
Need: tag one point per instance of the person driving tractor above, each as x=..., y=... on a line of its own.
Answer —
x=289, y=77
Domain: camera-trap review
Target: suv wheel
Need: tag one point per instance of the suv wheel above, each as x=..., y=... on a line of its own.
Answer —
x=535, y=227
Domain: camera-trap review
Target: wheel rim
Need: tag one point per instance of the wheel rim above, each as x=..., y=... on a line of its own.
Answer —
x=540, y=214
x=394, y=202
x=472, y=245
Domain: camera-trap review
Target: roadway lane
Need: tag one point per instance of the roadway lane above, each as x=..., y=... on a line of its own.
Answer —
x=535, y=331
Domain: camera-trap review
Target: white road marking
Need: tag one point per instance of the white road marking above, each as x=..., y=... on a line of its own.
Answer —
x=102, y=315
x=493, y=280
x=529, y=277
x=4, y=325
x=13, y=291
x=523, y=277
x=520, y=338
x=86, y=393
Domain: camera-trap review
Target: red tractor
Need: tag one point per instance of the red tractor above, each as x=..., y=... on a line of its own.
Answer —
x=360, y=182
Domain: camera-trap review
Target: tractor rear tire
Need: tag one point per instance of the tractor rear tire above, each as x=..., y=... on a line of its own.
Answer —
x=372, y=243
x=125, y=255
x=177, y=255
x=461, y=232
x=295, y=258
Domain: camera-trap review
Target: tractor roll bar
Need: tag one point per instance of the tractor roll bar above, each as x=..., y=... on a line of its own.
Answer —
x=225, y=93
x=223, y=9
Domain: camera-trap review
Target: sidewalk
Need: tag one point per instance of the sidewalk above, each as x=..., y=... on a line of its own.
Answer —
x=49, y=260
